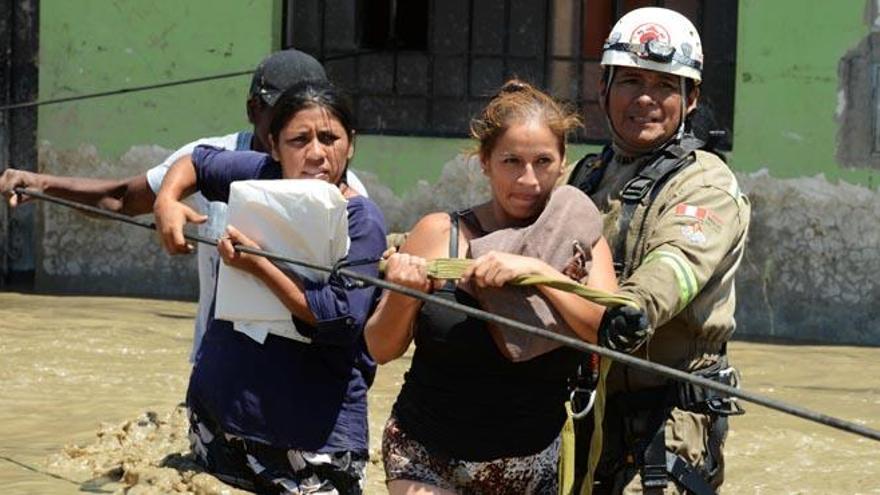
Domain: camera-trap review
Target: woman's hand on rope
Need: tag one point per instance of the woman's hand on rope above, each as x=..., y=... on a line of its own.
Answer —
x=12, y=178
x=394, y=240
x=171, y=216
x=495, y=268
x=236, y=259
x=409, y=271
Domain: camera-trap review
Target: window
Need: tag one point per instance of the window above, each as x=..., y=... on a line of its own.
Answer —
x=425, y=67
x=393, y=24
x=858, y=107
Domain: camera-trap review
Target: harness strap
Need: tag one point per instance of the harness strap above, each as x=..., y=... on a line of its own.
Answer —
x=589, y=170
x=453, y=235
x=687, y=476
x=640, y=190
x=659, y=464
x=243, y=140
x=715, y=443
x=644, y=187
x=654, y=462
x=453, y=247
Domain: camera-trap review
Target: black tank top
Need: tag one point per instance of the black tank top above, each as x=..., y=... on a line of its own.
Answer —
x=463, y=399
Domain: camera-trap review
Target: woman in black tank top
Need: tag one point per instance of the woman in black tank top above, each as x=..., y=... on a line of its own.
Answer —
x=468, y=418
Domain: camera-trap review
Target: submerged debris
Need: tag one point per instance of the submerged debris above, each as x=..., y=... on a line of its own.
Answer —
x=147, y=455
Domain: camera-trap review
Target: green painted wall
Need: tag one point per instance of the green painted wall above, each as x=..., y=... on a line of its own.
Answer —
x=402, y=161
x=786, y=90
x=786, y=98
x=98, y=45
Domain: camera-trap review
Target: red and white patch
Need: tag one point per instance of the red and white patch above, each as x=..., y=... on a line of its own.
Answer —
x=649, y=31
x=696, y=212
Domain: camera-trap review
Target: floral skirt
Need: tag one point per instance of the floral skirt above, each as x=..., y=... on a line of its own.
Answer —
x=407, y=459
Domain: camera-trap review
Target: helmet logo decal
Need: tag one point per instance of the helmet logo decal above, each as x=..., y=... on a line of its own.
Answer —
x=649, y=32
x=686, y=49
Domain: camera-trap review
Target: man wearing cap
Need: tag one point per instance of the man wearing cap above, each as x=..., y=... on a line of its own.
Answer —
x=676, y=222
x=135, y=195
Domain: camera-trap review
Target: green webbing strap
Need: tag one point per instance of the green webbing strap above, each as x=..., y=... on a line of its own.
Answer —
x=598, y=418
x=453, y=268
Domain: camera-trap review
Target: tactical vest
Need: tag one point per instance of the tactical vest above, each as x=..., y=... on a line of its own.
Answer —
x=638, y=192
x=657, y=465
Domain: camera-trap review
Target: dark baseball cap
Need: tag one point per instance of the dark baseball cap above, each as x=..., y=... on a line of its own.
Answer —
x=280, y=71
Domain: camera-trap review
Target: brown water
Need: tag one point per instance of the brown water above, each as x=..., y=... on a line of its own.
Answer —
x=82, y=372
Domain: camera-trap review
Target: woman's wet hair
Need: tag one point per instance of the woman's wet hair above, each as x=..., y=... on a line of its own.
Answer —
x=520, y=102
x=309, y=94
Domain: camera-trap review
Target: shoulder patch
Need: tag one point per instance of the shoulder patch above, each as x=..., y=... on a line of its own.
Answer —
x=697, y=213
x=694, y=234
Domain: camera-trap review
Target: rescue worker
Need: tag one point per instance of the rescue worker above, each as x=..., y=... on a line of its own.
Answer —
x=676, y=222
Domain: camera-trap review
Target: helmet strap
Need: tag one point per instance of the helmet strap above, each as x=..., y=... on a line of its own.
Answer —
x=684, y=104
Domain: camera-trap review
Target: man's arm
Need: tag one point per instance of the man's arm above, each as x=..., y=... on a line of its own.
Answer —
x=170, y=212
x=690, y=242
x=130, y=196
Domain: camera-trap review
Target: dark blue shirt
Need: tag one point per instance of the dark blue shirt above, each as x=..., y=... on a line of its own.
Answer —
x=286, y=393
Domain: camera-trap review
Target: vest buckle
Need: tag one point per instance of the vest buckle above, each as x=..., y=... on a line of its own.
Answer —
x=637, y=188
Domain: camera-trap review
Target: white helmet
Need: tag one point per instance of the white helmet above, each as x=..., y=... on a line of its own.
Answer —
x=656, y=39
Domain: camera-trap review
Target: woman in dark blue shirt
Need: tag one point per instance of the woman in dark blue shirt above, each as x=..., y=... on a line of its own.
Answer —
x=284, y=415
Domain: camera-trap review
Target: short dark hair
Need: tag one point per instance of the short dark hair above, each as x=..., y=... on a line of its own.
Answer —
x=308, y=94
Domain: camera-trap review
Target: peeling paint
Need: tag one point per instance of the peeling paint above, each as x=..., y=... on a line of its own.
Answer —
x=812, y=263
x=80, y=254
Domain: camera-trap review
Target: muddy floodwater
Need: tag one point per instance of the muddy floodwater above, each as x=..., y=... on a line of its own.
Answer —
x=89, y=389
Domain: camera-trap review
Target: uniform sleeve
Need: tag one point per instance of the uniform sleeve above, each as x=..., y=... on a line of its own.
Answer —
x=694, y=235
x=217, y=168
x=341, y=312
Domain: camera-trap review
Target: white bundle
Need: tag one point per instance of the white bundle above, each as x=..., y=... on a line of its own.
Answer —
x=302, y=219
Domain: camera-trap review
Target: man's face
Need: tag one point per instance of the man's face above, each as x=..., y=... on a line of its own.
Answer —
x=260, y=115
x=644, y=107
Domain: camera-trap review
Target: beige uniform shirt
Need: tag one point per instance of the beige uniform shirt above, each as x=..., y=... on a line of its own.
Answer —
x=682, y=250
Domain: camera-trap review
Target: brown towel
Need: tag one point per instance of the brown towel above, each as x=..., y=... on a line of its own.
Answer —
x=570, y=216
